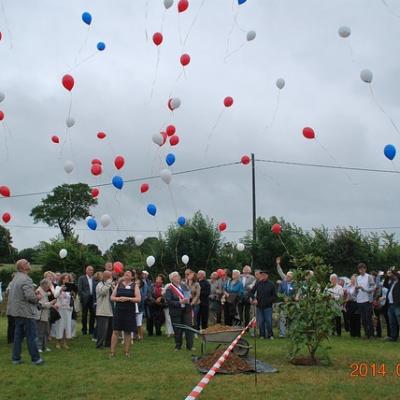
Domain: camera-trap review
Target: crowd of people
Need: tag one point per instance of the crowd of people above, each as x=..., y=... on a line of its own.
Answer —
x=114, y=304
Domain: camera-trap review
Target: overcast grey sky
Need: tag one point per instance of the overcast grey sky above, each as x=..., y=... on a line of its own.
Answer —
x=296, y=40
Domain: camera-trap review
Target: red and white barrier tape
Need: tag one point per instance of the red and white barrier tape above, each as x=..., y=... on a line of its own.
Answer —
x=210, y=374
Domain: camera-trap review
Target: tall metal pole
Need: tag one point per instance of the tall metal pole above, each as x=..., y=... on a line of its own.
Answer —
x=253, y=175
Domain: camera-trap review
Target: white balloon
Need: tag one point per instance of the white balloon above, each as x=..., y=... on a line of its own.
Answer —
x=2, y=96
x=344, y=31
x=158, y=139
x=168, y=3
x=166, y=176
x=185, y=259
x=175, y=103
x=63, y=253
x=150, y=261
x=280, y=83
x=70, y=122
x=251, y=35
x=105, y=220
x=139, y=239
x=366, y=75
x=240, y=247
x=68, y=167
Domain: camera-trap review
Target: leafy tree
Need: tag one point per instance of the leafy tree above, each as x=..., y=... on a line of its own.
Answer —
x=29, y=254
x=79, y=256
x=310, y=313
x=64, y=207
x=7, y=252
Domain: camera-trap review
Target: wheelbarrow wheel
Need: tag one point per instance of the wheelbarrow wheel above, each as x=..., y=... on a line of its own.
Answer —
x=242, y=348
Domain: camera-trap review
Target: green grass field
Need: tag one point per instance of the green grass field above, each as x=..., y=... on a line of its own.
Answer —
x=155, y=371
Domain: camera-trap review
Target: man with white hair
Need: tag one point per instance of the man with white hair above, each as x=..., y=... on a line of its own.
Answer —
x=244, y=305
x=23, y=306
x=337, y=294
x=286, y=288
x=177, y=297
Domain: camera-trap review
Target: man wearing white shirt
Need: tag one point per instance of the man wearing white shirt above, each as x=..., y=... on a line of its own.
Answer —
x=365, y=287
x=87, y=294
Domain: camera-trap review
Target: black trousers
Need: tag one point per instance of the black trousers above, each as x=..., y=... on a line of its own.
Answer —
x=184, y=318
x=385, y=314
x=354, y=319
x=337, y=322
x=104, y=331
x=244, y=312
x=88, y=308
x=10, y=329
x=230, y=313
x=365, y=310
x=156, y=319
x=202, y=316
x=346, y=321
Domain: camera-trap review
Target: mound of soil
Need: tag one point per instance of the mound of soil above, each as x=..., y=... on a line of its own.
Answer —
x=219, y=328
x=233, y=364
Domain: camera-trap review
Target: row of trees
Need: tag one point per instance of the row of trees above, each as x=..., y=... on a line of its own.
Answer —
x=200, y=239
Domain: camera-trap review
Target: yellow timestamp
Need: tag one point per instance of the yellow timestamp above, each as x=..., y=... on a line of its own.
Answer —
x=364, y=369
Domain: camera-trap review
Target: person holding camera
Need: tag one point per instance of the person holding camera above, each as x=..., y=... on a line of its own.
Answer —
x=64, y=305
x=43, y=325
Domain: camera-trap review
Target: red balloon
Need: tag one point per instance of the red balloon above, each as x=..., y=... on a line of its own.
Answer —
x=144, y=187
x=185, y=59
x=6, y=217
x=96, y=161
x=245, y=160
x=222, y=226
x=1, y=36
x=101, y=135
x=169, y=105
x=183, y=5
x=5, y=191
x=95, y=192
x=174, y=140
x=119, y=162
x=308, y=133
x=157, y=38
x=164, y=136
x=96, y=169
x=1, y=115
x=276, y=229
x=55, y=139
x=220, y=272
x=68, y=82
x=228, y=101
x=170, y=130
x=118, y=267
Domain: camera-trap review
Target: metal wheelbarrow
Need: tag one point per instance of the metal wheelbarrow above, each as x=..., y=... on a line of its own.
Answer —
x=221, y=337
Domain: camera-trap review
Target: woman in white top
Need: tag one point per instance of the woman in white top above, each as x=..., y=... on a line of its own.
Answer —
x=337, y=294
x=63, y=326
x=351, y=307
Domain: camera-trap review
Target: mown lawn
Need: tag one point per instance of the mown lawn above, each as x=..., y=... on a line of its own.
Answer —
x=155, y=371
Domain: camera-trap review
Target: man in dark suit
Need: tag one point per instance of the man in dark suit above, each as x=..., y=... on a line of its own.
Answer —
x=87, y=295
x=177, y=296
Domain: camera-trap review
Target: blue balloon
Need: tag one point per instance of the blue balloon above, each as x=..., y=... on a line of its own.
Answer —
x=101, y=46
x=152, y=209
x=170, y=159
x=118, y=182
x=181, y=221
x=92, y=224
x=390, y=151
x=87, y=18
x=241, y=2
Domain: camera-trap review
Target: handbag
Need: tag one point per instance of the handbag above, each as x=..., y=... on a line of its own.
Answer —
x=54, y=315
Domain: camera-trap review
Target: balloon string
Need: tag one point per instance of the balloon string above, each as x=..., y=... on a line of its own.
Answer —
x=85, y=60
x=8, y=130
x=383, y=110
x=163, y=20
x=66, y=128
x=283, y=244
x=155, y=73
x=390, y=9
x=193, y=22
x=228, y=41
x=173, y=202
x=82, y=47
x=353, y=60
x=234, y=52
x=270, y=124
x=146, y=14
x=6, y=23
x=334, y=160
x=6, y=144
x=213, y=129
x=180, y=31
